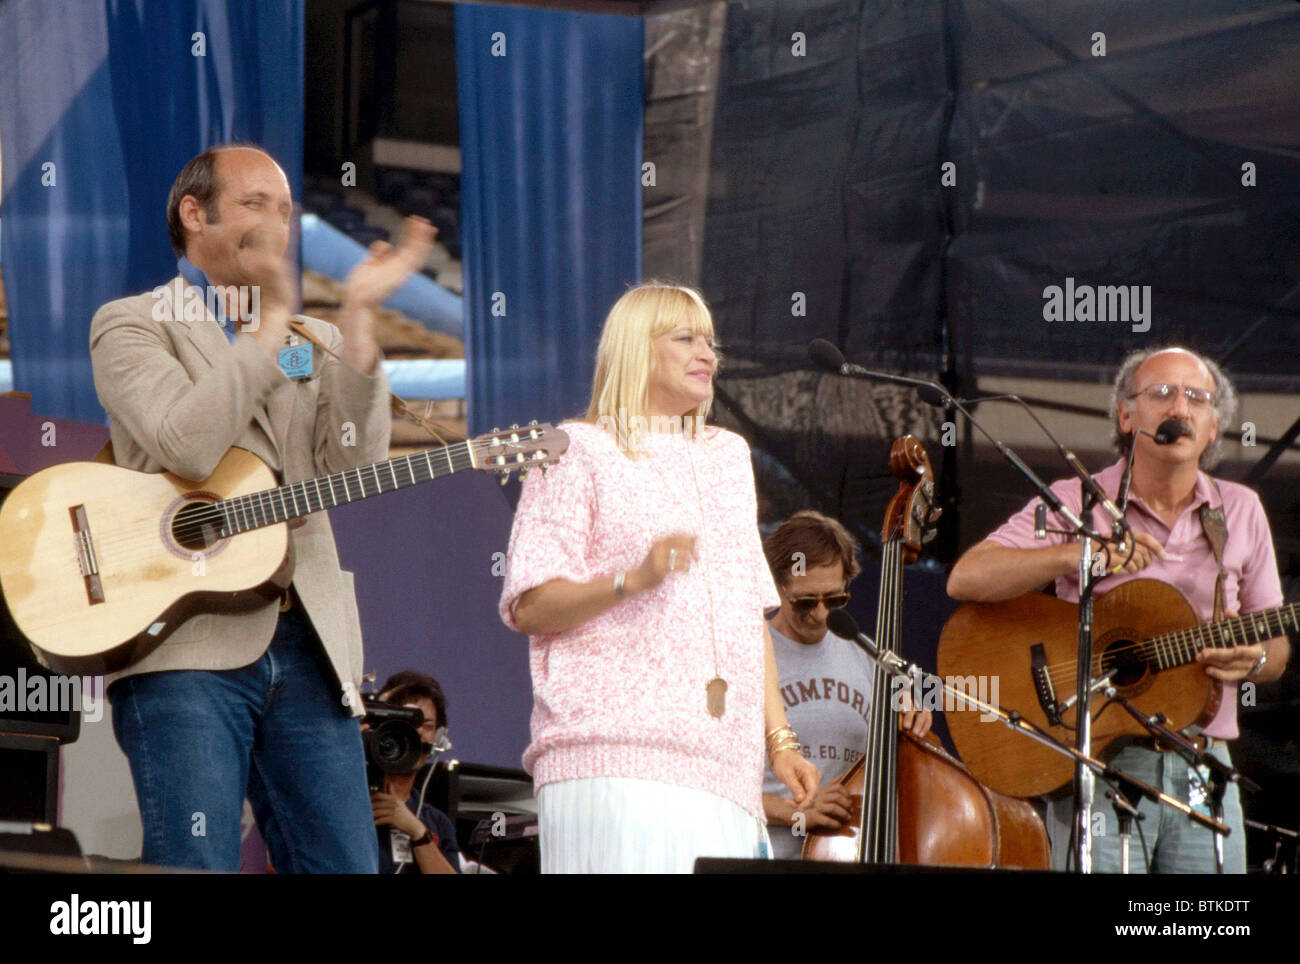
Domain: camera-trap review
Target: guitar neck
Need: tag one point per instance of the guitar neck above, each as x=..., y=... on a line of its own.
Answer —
x=1177, y=648
x=257, y=509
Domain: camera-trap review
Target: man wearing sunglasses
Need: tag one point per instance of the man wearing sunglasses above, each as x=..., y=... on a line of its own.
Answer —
x=826, y=682
x=1171, y=507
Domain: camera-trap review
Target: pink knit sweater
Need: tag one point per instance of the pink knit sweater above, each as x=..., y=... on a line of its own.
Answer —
x=623, y=695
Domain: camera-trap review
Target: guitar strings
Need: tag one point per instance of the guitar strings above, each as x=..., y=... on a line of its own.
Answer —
x=1174, y=643
x=369, y=485
x=197, y=520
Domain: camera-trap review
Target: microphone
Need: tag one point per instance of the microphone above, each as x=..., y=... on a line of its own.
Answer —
x=846, y=627
x=1167, y=433
x=825, y=355
x=842, y=624
x=1171, y=430
x=1117, y=516
x=829, y=358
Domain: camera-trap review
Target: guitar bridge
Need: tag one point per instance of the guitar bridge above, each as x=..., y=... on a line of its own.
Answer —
x=1043, y=684
x=87, y=561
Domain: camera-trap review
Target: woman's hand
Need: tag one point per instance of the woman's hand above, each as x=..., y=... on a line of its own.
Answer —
x=670, y=554
x=798, y=774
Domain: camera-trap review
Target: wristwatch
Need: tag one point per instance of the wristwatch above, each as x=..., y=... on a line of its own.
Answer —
x=428, y=838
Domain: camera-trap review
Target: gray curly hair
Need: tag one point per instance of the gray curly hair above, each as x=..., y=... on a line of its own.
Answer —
x=1225, y=400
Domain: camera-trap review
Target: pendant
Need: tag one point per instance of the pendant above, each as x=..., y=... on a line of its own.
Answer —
x=717, y=699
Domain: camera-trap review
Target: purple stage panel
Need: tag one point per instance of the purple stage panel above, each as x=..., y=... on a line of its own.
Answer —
x=30, y=441
x=428, y=581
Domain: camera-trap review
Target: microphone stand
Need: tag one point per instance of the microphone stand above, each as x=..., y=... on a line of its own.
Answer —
x=1125, y=814
x=828, y=356
x=1280, y=835
x=1220, y=773
x=1084, y=783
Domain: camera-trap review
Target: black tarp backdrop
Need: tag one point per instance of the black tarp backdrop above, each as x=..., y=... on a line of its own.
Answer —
x=827, y=216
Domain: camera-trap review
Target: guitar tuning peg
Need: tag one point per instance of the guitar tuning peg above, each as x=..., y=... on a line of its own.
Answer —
x=533, y=422
x=505, y=477
x=523, y=474
x=495, y=430
x=514, y=426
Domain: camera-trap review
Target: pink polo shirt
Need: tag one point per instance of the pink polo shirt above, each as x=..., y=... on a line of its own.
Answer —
x=624, y=694
x=1251, y=584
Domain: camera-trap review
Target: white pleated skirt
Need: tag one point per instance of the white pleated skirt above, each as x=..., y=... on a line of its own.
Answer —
x=616, y=825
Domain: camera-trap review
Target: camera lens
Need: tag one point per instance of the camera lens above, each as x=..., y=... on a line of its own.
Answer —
x=394, y=746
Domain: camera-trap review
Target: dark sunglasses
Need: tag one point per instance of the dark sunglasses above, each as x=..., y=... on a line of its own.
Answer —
x=833, y=600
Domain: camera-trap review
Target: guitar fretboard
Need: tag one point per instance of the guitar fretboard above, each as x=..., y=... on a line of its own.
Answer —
x=1178, y=648
x=270, y=506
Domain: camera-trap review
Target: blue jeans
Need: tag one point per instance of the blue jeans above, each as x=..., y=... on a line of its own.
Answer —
x=275, y=731
x=1176, y=845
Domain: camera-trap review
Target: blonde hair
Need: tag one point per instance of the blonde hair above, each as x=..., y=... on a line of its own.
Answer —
x=625, y=358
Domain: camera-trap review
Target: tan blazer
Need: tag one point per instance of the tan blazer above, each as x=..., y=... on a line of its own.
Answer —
x=178, y=395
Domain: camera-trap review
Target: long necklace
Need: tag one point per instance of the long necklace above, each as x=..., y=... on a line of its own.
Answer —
x=715, y=691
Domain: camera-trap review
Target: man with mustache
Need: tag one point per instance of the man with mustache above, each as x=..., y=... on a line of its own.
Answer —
x=1171, y=511
x=259, y=703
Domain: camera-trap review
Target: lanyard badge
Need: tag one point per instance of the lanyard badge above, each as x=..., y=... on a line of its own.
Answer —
x=296, y=361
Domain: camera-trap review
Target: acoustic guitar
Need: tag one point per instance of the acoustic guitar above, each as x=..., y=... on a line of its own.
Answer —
x=1145, y=632
x=98, y=563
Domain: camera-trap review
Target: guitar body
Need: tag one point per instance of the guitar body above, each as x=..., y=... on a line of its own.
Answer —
x=156, y=563
x=995, y=640
x=99, y=564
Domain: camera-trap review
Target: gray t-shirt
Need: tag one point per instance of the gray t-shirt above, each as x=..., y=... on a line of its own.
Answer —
x=826, y=688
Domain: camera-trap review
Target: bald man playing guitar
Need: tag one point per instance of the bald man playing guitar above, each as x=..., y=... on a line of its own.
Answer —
x=1167, y=506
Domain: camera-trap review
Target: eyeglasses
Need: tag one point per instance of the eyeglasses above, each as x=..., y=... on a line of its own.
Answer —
x=1196, y=397
x=833, y=600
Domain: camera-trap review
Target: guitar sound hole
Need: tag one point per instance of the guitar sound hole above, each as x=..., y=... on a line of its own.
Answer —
x=197, y=526
x=1122, y=656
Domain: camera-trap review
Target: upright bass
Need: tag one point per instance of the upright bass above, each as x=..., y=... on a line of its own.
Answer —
x=917, y=804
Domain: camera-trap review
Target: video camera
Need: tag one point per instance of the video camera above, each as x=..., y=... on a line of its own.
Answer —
x=392, y=742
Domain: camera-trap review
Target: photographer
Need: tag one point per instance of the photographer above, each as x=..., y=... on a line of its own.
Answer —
x=411, y=844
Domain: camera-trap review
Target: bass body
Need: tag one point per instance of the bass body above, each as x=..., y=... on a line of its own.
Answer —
x=946, y=817
x=913, y=803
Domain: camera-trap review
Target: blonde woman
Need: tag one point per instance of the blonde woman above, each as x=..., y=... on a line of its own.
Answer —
x=637, y=571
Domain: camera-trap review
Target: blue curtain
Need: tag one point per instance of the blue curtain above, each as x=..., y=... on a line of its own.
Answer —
x=98, y=113
x=550, y=127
